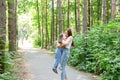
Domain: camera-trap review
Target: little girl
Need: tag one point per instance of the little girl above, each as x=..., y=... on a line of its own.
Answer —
x=58, y=53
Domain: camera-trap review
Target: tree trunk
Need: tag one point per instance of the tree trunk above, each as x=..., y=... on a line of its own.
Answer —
x=56, y=22
x=98, y=11
x=2, y=33
x=89, y=13
x=78, y=23
x=38, y=14
x=68, y=22
x=52, y=24
x=42, y=11
x=104, y=11
x=11, y=25
x=60, y=15
x=84, y=9
x=113, y=9
x=119, y=7
x=16, y=26
x=76, y=18
x=47, y=36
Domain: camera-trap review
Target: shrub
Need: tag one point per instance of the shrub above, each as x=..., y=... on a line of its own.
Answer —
x=99, y=51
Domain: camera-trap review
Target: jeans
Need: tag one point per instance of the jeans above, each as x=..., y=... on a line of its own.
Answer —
x=64, y=59
x=57, y=57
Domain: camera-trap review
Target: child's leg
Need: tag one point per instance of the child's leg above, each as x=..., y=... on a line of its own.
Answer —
x=57, y=57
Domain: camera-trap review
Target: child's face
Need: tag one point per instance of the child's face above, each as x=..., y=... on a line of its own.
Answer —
x=66, y=34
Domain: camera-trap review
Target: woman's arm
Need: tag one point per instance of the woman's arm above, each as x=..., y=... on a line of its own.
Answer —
x=66, y=42
x=59, y=44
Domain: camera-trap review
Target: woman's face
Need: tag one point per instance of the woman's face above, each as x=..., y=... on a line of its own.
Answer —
x=66, y=33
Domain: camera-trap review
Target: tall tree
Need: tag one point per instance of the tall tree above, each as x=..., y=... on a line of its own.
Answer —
x=2, y=33
x=78, y=23
x=76, y=16
x=60, y=15
x=68, y=10
x=113, y=9
x=99, y=10
x=56, y=30
x=38, y=19
x=52, y=24
x=16, y=25
x=89, y=13
x=84, y=20
x=104, y=11
x=47, y=36
x=42, y=24
x=11, y=25
x=119, y=7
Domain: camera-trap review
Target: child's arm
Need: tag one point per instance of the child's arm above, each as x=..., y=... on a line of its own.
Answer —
x=59, y=44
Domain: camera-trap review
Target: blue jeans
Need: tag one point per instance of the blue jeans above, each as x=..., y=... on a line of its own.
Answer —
x=64, y=59
x=57, y=57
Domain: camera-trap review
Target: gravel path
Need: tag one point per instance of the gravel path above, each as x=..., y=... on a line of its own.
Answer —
x=39, y=64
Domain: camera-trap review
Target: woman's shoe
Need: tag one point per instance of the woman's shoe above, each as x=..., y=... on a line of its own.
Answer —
x=65, y=79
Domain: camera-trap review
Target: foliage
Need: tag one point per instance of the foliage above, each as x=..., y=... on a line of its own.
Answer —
x=8, y=60
x=99, y=51
x=36, y=42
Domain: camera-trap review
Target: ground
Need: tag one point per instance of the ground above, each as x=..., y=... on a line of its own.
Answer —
x=37, y=65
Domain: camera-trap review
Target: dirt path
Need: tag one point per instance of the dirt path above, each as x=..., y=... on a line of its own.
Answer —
x=39, y=64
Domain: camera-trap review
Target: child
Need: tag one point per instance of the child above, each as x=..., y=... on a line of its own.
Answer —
x=58, y=53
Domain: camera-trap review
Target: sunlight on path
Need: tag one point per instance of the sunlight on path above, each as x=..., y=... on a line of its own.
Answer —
x=26, y=44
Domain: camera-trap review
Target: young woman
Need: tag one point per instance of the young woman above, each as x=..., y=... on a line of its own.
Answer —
x=66, y=52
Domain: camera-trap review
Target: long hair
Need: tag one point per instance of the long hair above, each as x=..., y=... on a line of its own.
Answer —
x=70, y=34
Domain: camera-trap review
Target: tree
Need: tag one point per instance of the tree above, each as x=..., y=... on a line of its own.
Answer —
x=119, y=7
x=56, y=28
x=68, y=22
x=98, y=10
x=84, y=20
x=60, y=15
x=76, y=17
x=104, y=11
x=78, y=23
x=12, y=25
x=38, y=19
x=47, y=36
x=52, y=24
x=89, y=13
x=16, y=25
x=113, y=9
x=2, y=33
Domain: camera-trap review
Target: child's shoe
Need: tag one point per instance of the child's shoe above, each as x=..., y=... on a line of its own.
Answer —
x=55, y=70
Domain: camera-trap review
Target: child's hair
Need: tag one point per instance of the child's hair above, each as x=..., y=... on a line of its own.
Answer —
x=60, y=38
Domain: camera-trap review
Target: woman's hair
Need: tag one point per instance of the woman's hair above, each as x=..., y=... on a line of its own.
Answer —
x=70, y=34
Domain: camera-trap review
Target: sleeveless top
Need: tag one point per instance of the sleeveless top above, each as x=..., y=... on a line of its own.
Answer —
x=69, y=45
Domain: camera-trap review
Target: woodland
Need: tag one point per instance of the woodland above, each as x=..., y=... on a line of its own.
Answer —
x=95, y=25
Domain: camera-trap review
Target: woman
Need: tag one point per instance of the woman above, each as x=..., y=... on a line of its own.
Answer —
x=66, y=51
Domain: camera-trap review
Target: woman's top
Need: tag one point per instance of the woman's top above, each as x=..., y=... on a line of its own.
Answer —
x=69, y=45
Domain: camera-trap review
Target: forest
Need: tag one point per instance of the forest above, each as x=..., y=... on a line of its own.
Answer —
x=95, y=25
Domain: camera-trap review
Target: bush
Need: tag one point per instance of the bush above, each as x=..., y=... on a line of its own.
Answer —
x=99, y=51
x=8, y=61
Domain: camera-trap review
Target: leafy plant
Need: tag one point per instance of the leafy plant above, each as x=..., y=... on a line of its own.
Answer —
x=99, y=51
